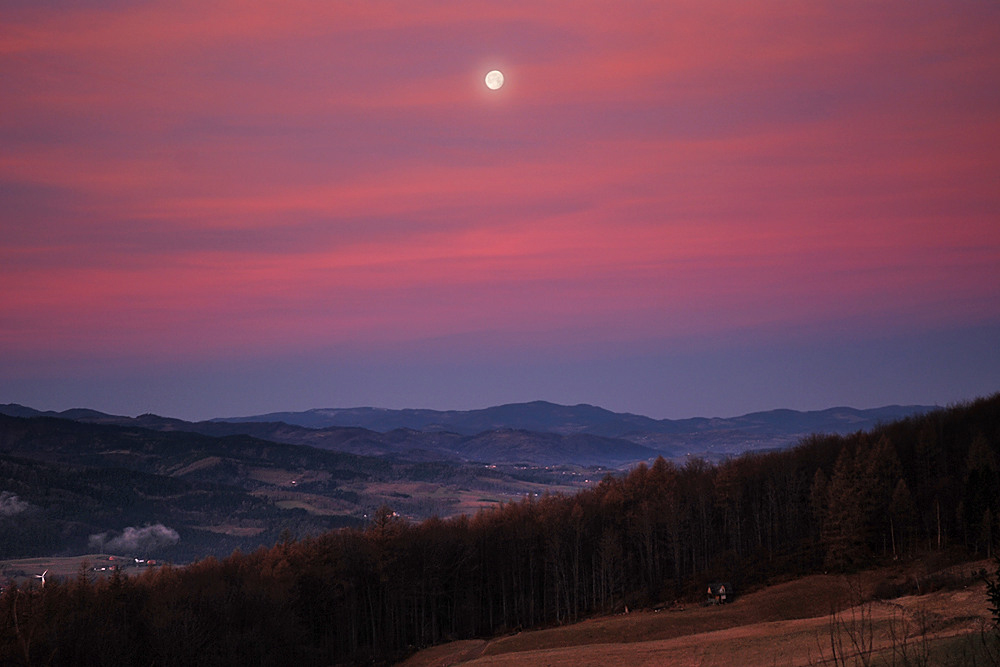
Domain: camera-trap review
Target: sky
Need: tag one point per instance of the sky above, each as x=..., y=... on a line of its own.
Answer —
x=676, y=209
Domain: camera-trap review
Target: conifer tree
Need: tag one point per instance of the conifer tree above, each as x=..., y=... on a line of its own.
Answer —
x=843, y=536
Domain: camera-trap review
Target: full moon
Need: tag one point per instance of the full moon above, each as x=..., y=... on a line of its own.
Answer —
x=494, y=80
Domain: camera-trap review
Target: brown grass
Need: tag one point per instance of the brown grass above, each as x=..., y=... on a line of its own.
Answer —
x=791, y=623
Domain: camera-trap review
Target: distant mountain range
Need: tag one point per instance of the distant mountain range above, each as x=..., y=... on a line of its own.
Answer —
x=709, y=437
x=539, y=432
x=500, y=445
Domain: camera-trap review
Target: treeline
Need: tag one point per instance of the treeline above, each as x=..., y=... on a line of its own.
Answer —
x=661, y=532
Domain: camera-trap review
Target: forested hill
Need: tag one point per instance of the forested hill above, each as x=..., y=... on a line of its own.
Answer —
x=927, y=483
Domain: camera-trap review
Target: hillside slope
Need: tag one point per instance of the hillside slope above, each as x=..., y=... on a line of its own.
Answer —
x=790, y=623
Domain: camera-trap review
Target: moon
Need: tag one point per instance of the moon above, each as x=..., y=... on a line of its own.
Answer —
x=494, y=79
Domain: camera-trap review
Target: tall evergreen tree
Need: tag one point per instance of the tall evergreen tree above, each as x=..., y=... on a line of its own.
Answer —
x=843, y=531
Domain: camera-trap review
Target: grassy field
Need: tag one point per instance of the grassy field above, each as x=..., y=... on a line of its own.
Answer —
x=414, y=500
x=816, y=620
x=23, y=570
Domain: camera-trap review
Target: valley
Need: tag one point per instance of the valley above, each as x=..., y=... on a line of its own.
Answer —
x=242, y=483
x=70, y=480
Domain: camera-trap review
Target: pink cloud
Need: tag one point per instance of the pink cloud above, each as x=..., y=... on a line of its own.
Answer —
x=257, y=175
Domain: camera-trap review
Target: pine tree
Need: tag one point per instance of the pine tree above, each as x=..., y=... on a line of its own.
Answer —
x=843, y=531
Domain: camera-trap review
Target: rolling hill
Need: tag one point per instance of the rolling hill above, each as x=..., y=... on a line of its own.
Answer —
x=62, y=482
x=711, y=438
x=546, y=417
x=504, y=444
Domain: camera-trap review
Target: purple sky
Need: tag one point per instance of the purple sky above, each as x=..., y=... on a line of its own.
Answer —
x=675, y=209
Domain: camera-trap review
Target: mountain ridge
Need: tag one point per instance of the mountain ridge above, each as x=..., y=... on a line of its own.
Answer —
x=445, y=434
x=495, y=445
x=544, y=416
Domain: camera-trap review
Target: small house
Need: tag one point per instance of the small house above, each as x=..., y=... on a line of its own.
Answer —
x=720, y=593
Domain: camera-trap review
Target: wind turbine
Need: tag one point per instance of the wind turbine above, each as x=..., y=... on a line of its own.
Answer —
x=42, y=577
